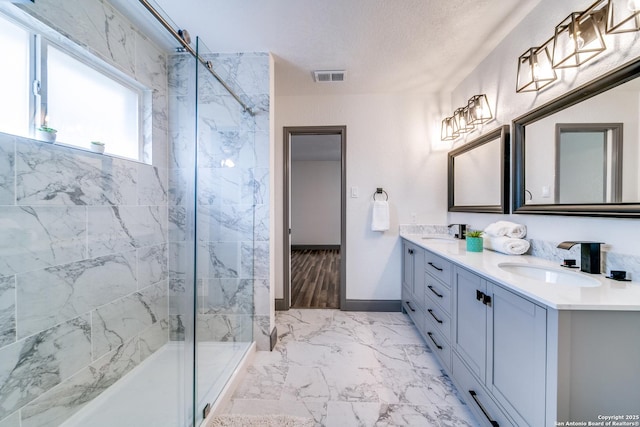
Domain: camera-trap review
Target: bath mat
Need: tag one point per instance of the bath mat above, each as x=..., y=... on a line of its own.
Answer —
x=238, y=420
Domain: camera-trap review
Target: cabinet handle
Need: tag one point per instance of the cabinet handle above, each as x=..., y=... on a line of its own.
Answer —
x=479, y=295
x=434, y=291
x=434, y=341
x=483, y=298
x=493, y=422
x=409, y=305
x=437, y=268
x=410, y=251
x=434, y=316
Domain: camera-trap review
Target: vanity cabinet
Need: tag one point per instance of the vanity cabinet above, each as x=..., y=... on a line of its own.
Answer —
x=516, y=360
x=413, y=283
x=499, y=350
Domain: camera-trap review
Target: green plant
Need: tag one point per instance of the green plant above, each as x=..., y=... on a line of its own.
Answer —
x=475, y=233
x=97, y=143
x=47, y=129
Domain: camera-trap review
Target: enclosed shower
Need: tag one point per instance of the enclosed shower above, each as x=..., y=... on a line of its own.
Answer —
x=132, y=289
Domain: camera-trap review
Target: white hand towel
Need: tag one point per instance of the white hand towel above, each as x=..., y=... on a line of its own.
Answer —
x=506, y=228
x=380, y=216
x=506, y=245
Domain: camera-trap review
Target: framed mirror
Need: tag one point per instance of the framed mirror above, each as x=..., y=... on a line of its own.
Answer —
x=580, y=153
x=477, y=174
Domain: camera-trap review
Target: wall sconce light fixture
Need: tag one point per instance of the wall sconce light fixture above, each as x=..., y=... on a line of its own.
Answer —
x=449, y=131
x=465, y=119
x=479, y=110
x=623, y=16
x=578, y=39
x=535, y=70
x=462, y=119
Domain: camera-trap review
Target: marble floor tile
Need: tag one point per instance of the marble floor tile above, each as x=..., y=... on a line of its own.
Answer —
x=350, y=369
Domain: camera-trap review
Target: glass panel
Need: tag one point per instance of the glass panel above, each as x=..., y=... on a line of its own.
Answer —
x=14, y=79
x=85, y=105
x=225, y=230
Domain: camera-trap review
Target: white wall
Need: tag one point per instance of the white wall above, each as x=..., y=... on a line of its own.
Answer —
x=315, y=202
x=389, y=146
x=496, y=76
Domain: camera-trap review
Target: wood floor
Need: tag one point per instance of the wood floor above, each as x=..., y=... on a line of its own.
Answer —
x=315, y=278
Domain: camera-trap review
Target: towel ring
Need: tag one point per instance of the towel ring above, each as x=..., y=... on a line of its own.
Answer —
x=380, y=191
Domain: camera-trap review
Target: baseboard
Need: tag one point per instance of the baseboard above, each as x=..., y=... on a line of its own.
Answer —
x=371, y=305
x=313, y=247
x=280, y=305
x=273, y=338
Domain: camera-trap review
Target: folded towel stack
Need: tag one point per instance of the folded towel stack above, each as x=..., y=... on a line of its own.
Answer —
x=506, y=237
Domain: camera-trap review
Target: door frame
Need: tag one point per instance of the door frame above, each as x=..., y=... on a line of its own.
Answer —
x=288, y=132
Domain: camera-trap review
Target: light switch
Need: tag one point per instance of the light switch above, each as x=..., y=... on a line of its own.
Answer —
x=354, y=192
x=546, y=191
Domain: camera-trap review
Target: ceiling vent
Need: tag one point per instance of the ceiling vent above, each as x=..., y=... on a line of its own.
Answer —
x=327, y=76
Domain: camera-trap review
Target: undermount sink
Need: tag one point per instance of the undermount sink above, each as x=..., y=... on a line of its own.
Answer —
x=549, y=274
x=440, y=238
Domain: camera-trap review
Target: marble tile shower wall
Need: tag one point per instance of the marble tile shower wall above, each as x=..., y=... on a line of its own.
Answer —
x=232, y=199
x=83, y=275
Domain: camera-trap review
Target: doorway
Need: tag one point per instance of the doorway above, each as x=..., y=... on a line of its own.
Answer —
x=314, y=217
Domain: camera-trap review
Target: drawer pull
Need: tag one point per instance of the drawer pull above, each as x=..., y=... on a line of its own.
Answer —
x=434, y=316
x=409, y=305
x=473, y=394
x=434, y=291
x=432, y=265
x=434, y=341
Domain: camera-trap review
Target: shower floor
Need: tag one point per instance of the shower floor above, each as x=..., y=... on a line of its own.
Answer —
x=154, y=393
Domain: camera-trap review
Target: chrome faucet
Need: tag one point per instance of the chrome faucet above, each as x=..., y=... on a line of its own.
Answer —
x=589, y=255
x=461, y=230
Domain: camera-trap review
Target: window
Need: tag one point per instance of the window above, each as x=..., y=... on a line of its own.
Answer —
x=15, y=79
x=45, y=84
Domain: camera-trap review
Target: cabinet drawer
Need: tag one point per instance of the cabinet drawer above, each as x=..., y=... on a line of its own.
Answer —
x=438, y=267
x=438, y=319
x=438, y=293
x=438, y=345
x=477, y=398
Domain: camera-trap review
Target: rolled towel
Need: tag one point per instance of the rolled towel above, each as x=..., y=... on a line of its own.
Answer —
x=506, y=228
x=506, y=245
x=380, y=216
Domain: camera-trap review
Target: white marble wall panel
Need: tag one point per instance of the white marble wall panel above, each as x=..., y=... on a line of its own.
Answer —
x=36, y=237
x=151, y=63
x=53, y=175
x=93, y=24
x=55, y=406
x=7, y=169
x=152, y=265
x=115, y=229
x=220, y=145
x=12, y=420
x=154, y=337
x=225, y=296
x=71, y=290
x=34, y=365
x=226, y=223
x=152, y=185
x=224, y=327
x=115, y=323
x=247, y=72
x=261, y=298
x=219, y=259
x=7, y=310
x=255, y=260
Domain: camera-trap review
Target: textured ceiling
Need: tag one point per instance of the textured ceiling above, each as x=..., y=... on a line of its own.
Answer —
x=385, y=45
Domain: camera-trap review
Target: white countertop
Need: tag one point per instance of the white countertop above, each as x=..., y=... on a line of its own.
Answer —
x=609, y=295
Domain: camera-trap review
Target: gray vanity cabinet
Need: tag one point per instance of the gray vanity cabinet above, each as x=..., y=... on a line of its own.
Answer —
x=499, y=344
x=413, y=282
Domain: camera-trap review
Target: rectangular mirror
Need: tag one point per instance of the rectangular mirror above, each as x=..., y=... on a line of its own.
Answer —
x=477, y=174
x=579, y=154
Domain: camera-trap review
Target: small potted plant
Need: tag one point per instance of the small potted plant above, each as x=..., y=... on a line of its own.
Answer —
x=474, y=240
x=46, y=134
x=97, y=146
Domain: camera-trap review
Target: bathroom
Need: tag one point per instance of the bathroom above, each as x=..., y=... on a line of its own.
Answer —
x=394, y=142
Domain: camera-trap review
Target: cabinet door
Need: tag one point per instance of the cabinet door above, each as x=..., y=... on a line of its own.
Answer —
x=470, y=321
x=407, y=266
x=418, y=276
x=517, y=351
